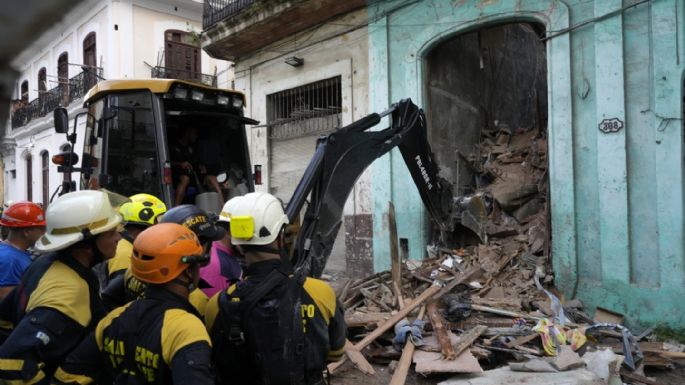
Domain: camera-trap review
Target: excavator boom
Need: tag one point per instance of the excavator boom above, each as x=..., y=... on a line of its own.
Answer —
x=340, y=159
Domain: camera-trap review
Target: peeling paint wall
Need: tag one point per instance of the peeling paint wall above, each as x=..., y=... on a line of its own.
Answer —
x=333, y=49
x=615, y=91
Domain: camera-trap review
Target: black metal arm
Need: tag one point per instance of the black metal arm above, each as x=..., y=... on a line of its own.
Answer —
x=338, y=162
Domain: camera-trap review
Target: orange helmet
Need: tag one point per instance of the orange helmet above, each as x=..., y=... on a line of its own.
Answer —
x=163, y=251
x=23, y=214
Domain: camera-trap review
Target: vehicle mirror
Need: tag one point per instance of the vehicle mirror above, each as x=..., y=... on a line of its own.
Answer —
x=98, y=131
x=61, y=120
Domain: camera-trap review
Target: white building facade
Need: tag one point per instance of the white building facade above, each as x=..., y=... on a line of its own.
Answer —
x=98, y=39
x=306, y=76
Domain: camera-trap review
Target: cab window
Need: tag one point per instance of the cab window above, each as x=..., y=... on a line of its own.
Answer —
x=132, y=163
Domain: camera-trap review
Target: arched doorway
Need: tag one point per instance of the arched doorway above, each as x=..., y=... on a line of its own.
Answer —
x=486, y=93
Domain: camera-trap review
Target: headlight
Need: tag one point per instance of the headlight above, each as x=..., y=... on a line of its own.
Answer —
x=237, y=102
x=180, y=93
x=222, y=100
x=197, y=95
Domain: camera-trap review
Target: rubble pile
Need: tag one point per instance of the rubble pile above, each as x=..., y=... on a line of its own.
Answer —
x=509, y=209
x=440, y=318
x=488, y=311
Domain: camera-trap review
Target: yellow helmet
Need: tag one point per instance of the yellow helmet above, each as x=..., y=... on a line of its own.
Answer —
x=143, y=209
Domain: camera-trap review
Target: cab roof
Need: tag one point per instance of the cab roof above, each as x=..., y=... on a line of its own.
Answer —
x=156, y=86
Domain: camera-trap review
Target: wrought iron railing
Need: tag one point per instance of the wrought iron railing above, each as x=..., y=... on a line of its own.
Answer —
x=170, y=73
x=60, y=96
x=216, y=10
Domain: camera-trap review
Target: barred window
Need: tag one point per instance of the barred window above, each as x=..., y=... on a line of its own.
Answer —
x=305, y=110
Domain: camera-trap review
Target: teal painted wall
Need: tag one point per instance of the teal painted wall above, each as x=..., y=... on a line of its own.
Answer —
x=617, y=199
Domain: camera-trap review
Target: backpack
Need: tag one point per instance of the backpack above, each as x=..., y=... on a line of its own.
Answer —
x=261, y=335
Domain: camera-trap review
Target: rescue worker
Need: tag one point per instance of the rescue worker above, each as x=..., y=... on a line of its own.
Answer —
x=118, y=285
x=198, y=221
x=272, y=327
x=157, y=339
x=25, y=222
x=4, y=231
x=223, y=268
x=57, y=301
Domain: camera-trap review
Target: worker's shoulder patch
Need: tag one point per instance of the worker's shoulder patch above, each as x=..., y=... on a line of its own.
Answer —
x=106, y=321
x=180, y=329
x=231, y=289
x=199, y=300
x=211, y=311
x=122, y=258
x=61, y=288
x=323, y=295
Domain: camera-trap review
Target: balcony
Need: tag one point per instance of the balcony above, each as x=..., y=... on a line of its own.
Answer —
x=170, y=73
x=236, y=28
x=60, y=96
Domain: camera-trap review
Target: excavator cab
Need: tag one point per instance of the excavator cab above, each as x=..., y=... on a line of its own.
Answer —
x=138, y=134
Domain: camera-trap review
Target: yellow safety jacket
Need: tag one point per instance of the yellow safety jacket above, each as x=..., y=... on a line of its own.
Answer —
x=55, y=305
x=158, y=339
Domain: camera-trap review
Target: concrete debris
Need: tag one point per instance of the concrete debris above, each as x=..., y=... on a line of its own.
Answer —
x=603, y=363
x=428, y=359
x=507, y=376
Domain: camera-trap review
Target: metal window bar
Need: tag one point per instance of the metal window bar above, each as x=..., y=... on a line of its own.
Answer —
x=60, y=96
x=216, y=10
x=309, y=109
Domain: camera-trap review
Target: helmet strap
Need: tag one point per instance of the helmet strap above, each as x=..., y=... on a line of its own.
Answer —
x=187, y=284
x=90, y=240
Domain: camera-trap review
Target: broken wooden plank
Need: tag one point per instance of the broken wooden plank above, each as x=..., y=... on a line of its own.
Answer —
x=369, y=296
x=396, y=263
x=506, y=313
x=511, y=303
x=359, y=319
x=397, y=317
x=428, y=361
x=400, y=375
x=398, y=295
x=522, y=340
x=638, y=378
x=358, y=358
x=388, y=324
x=468, y=338
x=677, y=355
x=441, y=332
x=470, y=274
x=343, y=293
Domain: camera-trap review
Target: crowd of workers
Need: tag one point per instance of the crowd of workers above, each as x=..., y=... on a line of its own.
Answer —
x=94, y=290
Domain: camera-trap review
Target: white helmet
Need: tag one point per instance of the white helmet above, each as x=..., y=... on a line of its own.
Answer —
x=73, y=215
x=257, y=219
x=229, y=207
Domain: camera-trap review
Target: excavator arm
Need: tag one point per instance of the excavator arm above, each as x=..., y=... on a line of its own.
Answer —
x=340, y=159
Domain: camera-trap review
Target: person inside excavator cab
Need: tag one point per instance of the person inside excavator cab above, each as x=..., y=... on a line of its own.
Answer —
x=196, y=162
